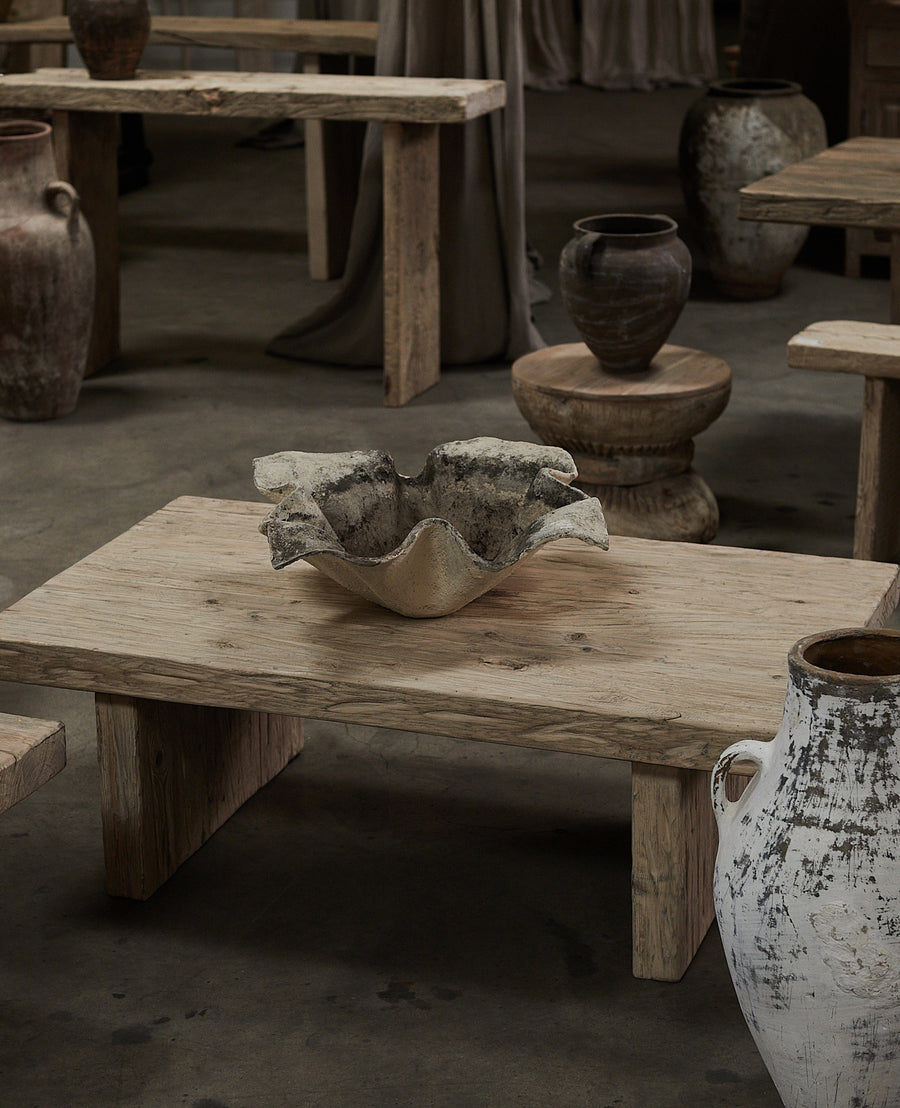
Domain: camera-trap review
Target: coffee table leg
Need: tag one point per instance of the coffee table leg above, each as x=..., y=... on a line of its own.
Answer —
x=674, y=840
x=86, y=144
x=412, y=307
x=171, y=774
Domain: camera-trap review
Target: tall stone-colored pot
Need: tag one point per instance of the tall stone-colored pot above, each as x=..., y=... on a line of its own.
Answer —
x=807, y=878
x=740, y=131
x=624, y=280
x=47, y=287
x=110, y=35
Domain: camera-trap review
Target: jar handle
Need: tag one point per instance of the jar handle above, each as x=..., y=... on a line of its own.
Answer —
x=62, y=199
x=584, y=250
x=745, y=750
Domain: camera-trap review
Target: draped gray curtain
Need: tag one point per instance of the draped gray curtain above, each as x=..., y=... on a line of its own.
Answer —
x=485, y=309
x=619, y=44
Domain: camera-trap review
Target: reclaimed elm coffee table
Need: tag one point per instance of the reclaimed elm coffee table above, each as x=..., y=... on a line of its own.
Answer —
x=203, y=661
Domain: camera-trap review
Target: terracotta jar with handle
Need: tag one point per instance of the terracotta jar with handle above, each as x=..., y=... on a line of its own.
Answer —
x=47, y=291
x=625, y=280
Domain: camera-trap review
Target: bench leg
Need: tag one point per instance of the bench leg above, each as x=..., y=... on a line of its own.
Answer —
x=412, y=351
x=877, y=532
x=674, y=842
x=171, y=774
x=86, y=147
x=333, y=158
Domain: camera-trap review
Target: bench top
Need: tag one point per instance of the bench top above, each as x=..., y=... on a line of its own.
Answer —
x=258, y=95
x=853, y=184
x=306, y=36
x=847, y=346
x=31, y=752
x=652, y=651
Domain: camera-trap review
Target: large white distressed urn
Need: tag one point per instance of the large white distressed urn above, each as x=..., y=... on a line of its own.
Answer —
x=807, y=877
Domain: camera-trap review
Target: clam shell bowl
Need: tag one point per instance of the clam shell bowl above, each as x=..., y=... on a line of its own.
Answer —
x=426, y=545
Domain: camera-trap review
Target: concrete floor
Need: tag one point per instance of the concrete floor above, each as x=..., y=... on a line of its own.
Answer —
x=396, y=920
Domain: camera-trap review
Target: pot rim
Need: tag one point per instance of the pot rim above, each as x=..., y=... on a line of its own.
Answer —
x=752, y=87
x=657, y=224
x=828, y=655
x=19, y=130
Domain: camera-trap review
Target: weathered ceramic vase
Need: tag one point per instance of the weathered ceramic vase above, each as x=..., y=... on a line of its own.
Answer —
x=624, y=281
x=425, y=545
x=47, y=286
x=110, y=35
x=807, y=878
x=740, y=131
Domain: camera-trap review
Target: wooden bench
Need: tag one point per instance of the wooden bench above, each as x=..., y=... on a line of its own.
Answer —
x=873, y=351
x=303, y=36
x=31, y=752
x=330, y=180
x=410, y=109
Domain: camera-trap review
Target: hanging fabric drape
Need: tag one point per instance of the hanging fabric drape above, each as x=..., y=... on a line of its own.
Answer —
x=619, y=44
x=485, y=309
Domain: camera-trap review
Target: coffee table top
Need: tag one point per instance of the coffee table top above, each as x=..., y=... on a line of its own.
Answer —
x=853, y=184
x=653, y=651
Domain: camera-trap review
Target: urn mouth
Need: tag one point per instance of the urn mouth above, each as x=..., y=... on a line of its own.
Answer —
x=15, y=130
x=627, y=225
x=849, y=655
x=754, y=86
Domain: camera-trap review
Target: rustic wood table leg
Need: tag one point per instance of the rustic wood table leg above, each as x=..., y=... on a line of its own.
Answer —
x=412, y=351
x=171, y=774
x=333, y=158
x=674, y=840
x=877, y=532
x=86, y=149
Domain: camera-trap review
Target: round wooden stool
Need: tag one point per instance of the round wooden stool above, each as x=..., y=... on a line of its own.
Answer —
x=630, y=434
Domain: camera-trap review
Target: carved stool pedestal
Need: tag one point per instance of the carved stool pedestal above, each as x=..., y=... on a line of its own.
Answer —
x=631, y=435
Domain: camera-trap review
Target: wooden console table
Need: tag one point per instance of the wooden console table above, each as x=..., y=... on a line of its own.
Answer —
x=330, y=196
x=410, y=109
x=202, y=659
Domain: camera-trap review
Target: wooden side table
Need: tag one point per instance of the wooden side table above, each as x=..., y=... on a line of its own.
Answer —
x=873, y=351
x=853, y=184
x=410, y=109
x=631, y=435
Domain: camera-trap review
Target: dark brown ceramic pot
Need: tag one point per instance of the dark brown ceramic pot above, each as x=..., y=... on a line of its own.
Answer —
x=110, y=35
x=625, y=280
x=47, y=290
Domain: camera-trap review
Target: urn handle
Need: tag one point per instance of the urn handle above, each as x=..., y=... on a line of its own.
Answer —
x=62, y=199
x=746, y=750
x=584, y=250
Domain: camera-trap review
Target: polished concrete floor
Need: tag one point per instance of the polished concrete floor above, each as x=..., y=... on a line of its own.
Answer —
x=396, y=920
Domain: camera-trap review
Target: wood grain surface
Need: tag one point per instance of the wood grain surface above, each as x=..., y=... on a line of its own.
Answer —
x=171, y=774
x=853, y=184
x=259, y=95
x=412, y=298
x=570, y=370
x=312, y=36
x=31, y=752
x=847, y=346
x=654, y=652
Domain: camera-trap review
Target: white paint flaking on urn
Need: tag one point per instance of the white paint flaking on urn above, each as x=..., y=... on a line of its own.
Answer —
x=807, y=881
